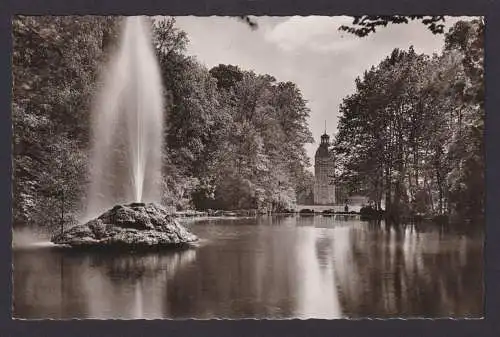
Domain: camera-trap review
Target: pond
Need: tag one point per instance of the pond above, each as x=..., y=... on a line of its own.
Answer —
x=267, y=267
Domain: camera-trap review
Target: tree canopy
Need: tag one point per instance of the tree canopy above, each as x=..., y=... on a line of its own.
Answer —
x=233, y=138
x=412, y=133
x=410, y=136
x=55, y=65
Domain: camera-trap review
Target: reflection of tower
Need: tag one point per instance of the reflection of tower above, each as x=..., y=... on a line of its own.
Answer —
x=324, y=185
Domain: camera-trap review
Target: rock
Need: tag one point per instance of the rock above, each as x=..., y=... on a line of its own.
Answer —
x=136, y=225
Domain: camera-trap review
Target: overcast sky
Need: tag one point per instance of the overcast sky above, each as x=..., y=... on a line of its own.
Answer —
x=309, y=51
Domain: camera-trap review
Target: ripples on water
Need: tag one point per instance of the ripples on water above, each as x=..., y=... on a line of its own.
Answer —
x=269, y=267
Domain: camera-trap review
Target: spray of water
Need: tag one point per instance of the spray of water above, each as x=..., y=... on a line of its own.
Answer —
x=30, y=238
x=127, y=125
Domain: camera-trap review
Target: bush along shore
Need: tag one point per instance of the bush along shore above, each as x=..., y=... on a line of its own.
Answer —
x=370, y=213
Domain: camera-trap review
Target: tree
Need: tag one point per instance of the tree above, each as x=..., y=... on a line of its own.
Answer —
x=466, y=179
x=259, y=158
x=234, y=139
x=55, y=69
x=226, y=75
x=366, y=24
x=412, y=131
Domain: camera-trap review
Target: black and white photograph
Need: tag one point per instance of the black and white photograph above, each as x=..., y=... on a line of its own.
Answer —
x=248, y=167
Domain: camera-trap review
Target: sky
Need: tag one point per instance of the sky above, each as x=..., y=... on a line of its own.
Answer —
x=307, y=50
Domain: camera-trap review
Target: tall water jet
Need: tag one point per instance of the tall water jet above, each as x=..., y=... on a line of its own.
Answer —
x=126, y=158
x=127, y=130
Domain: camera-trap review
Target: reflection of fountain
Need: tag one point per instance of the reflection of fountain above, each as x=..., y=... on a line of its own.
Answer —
x=138, y=311
x=138, y=265
x=133, y=286
x=128, y=124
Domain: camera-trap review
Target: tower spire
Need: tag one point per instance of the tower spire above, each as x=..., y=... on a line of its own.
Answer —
x=325, y=126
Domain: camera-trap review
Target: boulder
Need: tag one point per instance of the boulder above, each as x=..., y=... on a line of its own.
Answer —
x=136, y=225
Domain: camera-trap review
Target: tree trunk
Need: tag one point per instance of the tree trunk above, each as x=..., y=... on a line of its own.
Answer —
x=428, y=190
x=388, y=203
x=440, y=191
x=62, y=211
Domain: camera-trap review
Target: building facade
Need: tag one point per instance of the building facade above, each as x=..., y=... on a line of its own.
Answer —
x=324, y=166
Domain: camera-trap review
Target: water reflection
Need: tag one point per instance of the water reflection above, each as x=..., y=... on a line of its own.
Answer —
x=63, y=284
x=270, y=267
x=407, y=271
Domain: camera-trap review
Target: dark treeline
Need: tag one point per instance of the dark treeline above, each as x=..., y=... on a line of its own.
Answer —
x=234, y=139
x=55, y=68
x=411, y=136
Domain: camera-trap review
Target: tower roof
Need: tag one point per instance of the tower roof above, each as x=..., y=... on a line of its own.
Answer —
x=322, y=150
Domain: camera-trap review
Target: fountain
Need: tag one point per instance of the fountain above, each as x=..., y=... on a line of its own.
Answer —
x=128, y=125
x=126, y=158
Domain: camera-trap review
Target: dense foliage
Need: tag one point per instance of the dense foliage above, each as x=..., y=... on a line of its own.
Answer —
x=55, y=64
x=234, y=139
x=411, y=136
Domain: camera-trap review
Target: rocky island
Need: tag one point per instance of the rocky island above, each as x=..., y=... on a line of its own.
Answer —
x=136, y=225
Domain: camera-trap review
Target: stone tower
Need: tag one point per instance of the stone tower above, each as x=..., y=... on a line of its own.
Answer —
x=324, y=186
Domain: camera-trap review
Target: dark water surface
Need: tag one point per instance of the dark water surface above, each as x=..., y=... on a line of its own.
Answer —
x=270, y=267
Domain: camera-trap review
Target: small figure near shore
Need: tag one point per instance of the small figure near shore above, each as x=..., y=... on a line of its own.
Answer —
x=346, y=209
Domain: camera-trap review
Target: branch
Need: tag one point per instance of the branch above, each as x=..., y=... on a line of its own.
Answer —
x=364, y=25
